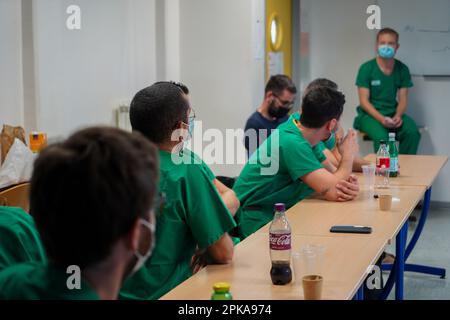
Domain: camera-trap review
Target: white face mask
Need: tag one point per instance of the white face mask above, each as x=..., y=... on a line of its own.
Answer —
x=142, y=258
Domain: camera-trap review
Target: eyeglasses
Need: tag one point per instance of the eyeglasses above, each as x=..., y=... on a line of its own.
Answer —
x=285, y=104
x=191, y=117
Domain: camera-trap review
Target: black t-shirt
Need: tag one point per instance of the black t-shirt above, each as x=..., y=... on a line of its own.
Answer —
x=257, y=122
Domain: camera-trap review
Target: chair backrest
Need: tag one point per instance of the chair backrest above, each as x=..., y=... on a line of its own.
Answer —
x=16, y=196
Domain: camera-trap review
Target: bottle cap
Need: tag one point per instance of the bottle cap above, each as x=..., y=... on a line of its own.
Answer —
x=280, y=207
x=391, y=134
x=221, y=287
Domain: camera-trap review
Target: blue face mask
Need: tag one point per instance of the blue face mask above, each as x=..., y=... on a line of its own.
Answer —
x=191, y=127
x=330, y=142
x=386, y=51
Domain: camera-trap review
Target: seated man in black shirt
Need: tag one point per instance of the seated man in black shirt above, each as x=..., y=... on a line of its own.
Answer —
x=278, y=100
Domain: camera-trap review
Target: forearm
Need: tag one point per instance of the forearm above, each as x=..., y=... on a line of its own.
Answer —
x=221, y=252
x=401, y=108
x=331, y=159
x=336, y=155
x=402, y=102
x=228, y=196
x=358, y=162
x=345, y=167
x=231, y=201
x=370, y=109
x=327, y=164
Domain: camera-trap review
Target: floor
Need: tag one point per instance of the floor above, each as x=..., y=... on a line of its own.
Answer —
x=433, y=249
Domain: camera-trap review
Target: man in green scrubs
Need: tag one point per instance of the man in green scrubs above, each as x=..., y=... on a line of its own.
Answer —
x=92, y=201
x=19, y=238
x=383, y=85
x=287, y=166
x=197, y=214
x=330, y=147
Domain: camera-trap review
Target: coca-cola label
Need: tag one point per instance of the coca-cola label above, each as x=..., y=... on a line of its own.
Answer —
x=383, y=162
x=280, y=241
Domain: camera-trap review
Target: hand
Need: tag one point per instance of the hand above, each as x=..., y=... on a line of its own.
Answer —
x=348, y=190
x=397, y=121
x=349, y=145
x=388, y=122
x=339, y=136
x=199, y=260
x=353, y=179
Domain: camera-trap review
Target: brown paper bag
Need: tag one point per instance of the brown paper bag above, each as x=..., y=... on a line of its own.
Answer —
x=9, y=133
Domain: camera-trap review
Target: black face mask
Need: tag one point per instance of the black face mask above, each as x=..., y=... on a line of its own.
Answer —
x=279, y=112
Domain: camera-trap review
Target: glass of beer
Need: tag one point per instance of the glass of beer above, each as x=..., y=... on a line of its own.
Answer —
x=38, y=140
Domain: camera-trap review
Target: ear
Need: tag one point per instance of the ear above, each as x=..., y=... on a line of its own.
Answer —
x=133, y=236
x=180, y=125
x=269, y=96
x=336, y=124
x=398, y=47
x=180, y=128
x=331, y=125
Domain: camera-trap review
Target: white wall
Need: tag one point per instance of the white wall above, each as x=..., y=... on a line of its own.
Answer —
x=83, y=75
x=220, y=64
x=11, y=90
x=430, y=107
x=216, y=47
x=340, y=42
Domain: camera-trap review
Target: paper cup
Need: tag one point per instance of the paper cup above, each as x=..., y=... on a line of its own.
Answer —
x=385, y=202
x=312, y=287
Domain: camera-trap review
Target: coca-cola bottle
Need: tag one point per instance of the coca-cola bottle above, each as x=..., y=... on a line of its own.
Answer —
x=383, y=165
x=280, y=247
x=383, y=157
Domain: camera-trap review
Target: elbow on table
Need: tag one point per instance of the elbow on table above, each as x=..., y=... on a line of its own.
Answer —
x=333, y=196
x=222, y=251
x=224, y=257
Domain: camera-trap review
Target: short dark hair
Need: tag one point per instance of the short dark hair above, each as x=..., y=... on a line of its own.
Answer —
x=180, y=85
x=321, y=82
x=156, y=110
x=321, y=104
x=89, y=190
x=280, y=82
x=387, y=31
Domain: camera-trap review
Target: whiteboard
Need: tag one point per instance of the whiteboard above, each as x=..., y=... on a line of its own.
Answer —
x=424, y=28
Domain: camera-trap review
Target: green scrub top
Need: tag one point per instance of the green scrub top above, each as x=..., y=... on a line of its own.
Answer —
x=383, y=88
x=194, y=216
x=38, y=281
x=259, y=192
x=19, y=239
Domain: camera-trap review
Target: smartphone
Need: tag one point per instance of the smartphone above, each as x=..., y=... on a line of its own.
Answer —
x=351, y=229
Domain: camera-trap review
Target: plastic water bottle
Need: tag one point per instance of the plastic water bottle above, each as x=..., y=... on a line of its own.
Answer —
x=393, y=154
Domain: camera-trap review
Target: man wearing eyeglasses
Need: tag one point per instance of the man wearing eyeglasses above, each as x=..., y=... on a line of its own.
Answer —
x=278, y=100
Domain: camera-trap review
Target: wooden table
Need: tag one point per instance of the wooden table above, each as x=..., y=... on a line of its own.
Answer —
x=249, y=275
x=348, y=256
x=316, y=217
x=415, y=170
